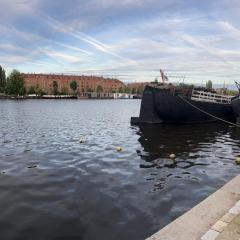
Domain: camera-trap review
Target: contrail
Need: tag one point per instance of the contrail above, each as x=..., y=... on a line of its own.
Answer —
x=86, y=38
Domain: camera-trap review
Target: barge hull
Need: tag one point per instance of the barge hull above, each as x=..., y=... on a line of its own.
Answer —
x=236, y=108
x=167, y=107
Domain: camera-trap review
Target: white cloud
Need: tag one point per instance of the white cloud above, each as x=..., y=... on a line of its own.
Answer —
x=85, y=38
x=121, y=37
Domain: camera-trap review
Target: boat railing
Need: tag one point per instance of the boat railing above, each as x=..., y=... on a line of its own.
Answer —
x=210, y=97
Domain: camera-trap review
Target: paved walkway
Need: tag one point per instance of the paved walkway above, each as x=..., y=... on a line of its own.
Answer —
x=227, y=227
x=232, y=231
x=215, y=218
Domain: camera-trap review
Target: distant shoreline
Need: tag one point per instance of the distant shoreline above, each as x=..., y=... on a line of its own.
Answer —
x=58, y=97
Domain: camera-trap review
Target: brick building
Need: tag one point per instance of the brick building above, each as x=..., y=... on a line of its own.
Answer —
x=137, y=87
x=84, y=83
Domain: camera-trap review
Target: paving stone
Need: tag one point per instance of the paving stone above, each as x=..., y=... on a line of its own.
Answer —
x=219, y=226
x=233, y=186
x=231, y=232
x=228, y=217
x=237, y=220
x=203, y=216
x=235, y=210
x=210, y=235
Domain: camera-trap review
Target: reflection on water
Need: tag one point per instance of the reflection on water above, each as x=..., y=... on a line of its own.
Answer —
x=200, y=149
x=53, y=187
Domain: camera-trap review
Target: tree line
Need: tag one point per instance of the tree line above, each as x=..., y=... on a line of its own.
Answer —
x=2, y=79
x=13, y=84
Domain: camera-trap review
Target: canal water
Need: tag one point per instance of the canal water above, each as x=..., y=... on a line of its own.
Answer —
x=53, y=187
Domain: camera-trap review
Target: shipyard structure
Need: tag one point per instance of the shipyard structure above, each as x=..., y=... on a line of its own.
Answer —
x=84, y=83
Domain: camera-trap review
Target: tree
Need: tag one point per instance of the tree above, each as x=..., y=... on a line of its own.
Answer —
x=39, y=91
x=15, y=84
x=120, y=90
x=232, y=92
x=209, y=84
x=99, y=89
x=73, y=86
x=2, y=79
x=64, y=91
x=31, y=90
x=127, y=90
x=54, y=88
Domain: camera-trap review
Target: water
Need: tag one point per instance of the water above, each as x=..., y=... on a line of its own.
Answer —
x=53, y=187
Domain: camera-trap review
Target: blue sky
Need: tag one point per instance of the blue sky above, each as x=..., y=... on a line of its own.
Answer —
x=127, y=39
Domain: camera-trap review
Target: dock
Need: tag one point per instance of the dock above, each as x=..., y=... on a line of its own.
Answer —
x=215, y=218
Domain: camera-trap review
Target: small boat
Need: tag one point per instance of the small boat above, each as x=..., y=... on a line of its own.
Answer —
x=184, y=104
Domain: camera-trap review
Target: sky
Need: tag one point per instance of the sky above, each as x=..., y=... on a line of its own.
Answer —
x=192, y=41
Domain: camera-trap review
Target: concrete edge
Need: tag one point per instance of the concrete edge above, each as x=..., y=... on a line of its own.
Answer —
x=197, y=221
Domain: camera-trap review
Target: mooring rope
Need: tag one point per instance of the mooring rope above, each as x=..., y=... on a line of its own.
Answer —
x=209, y=114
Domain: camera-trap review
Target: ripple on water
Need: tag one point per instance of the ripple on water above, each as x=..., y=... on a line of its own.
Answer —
x=54, y=187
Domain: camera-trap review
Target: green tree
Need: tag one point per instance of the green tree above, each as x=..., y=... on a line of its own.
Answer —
x=120, y=90
x=31, y=90
x=99, y=89
x=232, y=92
x=15, y=84
x=39, y=91
x=2, y=79
x=209, y=84
x=54, y=88
x=73, y=86
x=64, y=91
x=127, y=90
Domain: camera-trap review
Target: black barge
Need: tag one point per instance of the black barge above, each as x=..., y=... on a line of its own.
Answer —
x=184, y=104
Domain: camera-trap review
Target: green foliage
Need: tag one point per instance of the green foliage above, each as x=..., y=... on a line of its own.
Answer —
x=39, y=91
x=120, y=90
x=64, y=91
x=209, y=84
x=99, y=89
x=73, y=86
x=15, y=84
x=36, y=90
x=2, y=79
x=127, y=90
x=54, y=88
x=31, y=90
x=133, y=91
x=232, y=92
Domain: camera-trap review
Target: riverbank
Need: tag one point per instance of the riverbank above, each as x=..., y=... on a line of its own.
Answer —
x=37, y=97
x=81, y=96
x=213, y=218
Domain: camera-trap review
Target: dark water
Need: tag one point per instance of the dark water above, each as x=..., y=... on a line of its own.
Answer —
x=53, y=187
